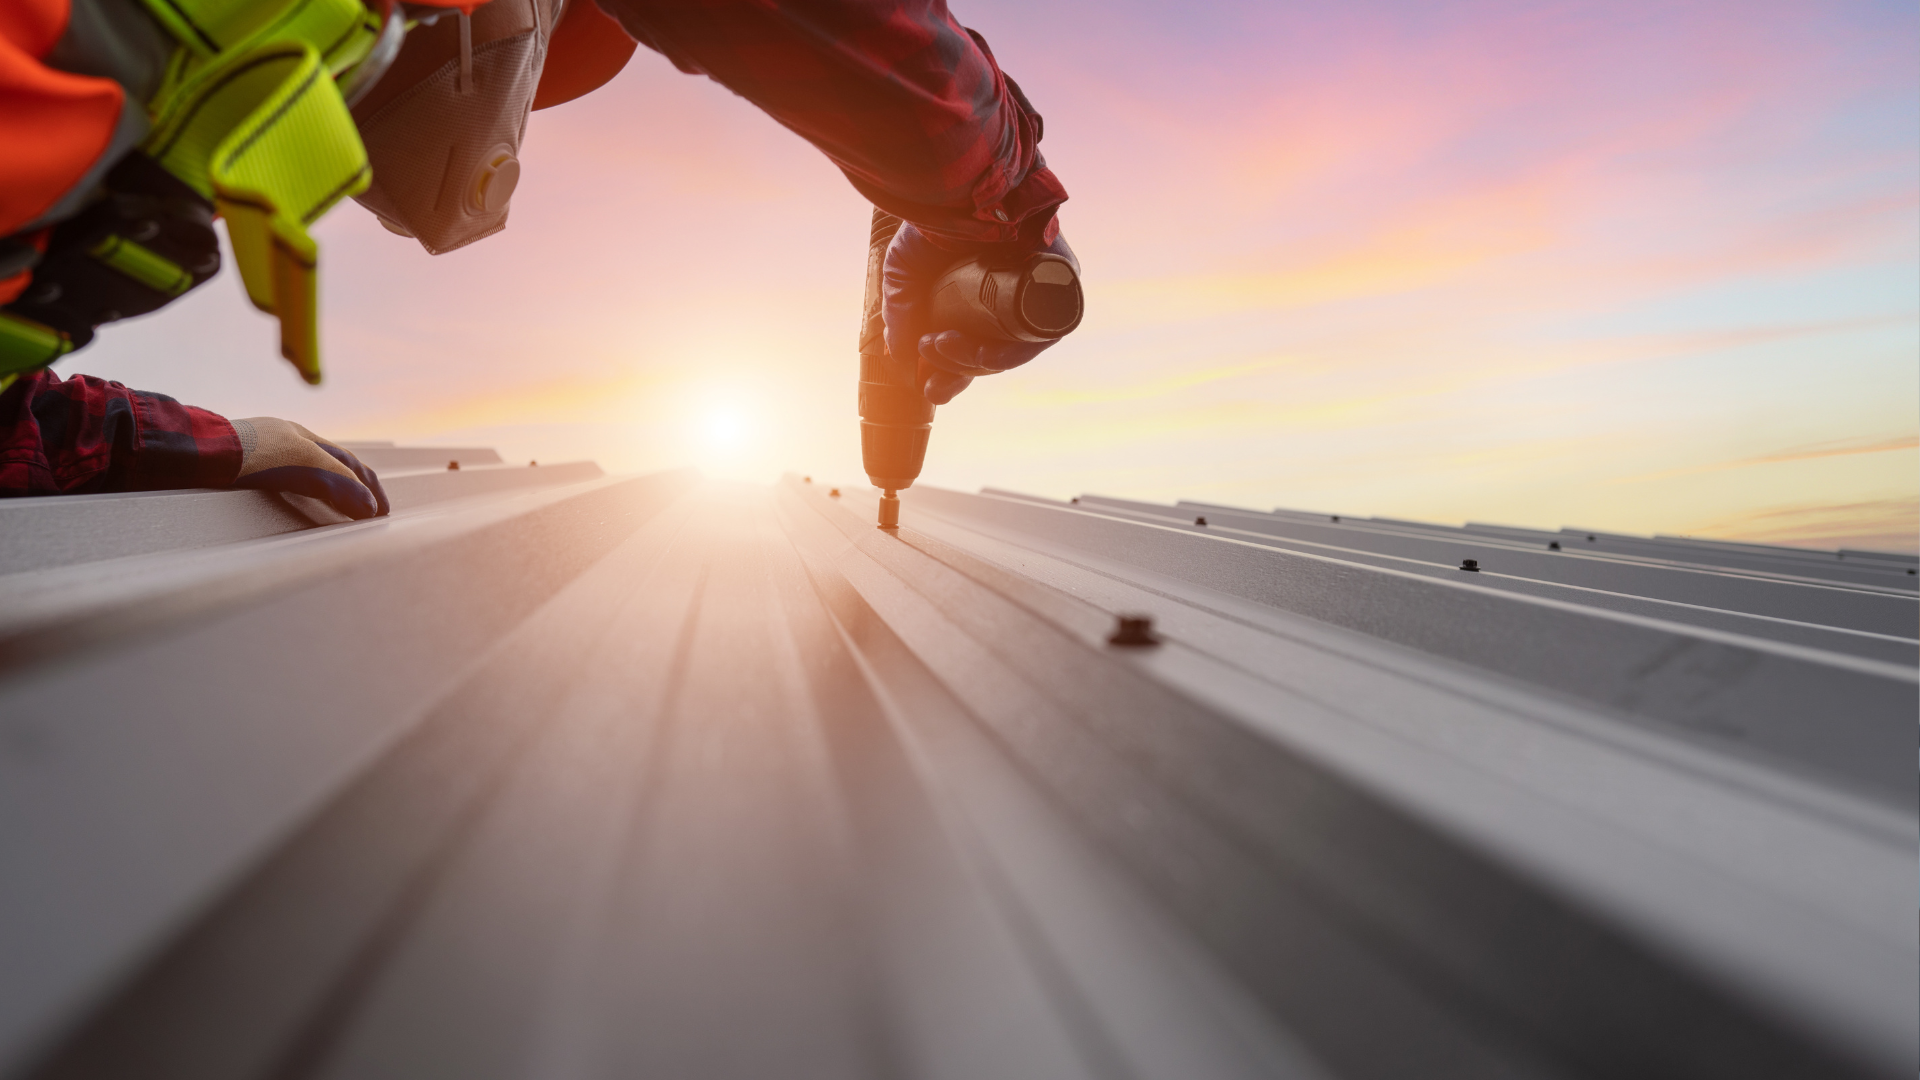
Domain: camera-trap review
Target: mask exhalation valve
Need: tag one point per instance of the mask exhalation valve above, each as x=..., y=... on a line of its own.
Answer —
x=494, y=181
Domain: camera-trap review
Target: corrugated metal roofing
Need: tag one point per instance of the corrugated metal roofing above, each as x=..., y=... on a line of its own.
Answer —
x=558, y=775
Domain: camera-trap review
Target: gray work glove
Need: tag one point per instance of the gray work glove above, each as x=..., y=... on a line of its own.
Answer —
x=280, y=455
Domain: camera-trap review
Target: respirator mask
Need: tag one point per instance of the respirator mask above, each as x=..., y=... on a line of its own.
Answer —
x=443, y=124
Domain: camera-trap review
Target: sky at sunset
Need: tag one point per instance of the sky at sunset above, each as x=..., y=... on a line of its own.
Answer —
x=1645, y=267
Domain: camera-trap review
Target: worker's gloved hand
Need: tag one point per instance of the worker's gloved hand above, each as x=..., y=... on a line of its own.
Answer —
x=280, y=455
x=949, y=359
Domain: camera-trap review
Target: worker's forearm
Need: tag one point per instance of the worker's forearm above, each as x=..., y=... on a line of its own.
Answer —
x=910, y=105
x=84, y=435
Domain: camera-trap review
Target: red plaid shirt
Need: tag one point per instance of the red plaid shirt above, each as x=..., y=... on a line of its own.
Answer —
x=83, y=435
x=909, y=103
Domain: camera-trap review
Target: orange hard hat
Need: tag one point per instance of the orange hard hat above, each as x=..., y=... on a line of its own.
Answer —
x=587, y=49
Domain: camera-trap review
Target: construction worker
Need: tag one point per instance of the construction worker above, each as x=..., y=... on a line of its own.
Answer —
x=129, y=126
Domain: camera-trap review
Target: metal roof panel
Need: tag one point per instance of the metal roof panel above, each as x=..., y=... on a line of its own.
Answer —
x=568, y=775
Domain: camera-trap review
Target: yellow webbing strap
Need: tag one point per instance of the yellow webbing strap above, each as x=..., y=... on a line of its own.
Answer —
x=26, y=345
x=210, y=27
x=259, y=127
x=273, y=175
x=143, y=265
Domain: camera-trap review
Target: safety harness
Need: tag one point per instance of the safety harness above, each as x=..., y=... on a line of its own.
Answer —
x=249, y=123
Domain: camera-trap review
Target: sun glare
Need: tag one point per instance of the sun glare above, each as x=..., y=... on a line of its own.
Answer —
x=723, y=429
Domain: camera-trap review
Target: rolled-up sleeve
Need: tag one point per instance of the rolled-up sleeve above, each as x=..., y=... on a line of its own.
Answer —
x=910, y=104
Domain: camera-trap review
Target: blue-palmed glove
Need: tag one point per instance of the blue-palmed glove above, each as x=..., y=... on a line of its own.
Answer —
x=949, y=359
x=280, y=455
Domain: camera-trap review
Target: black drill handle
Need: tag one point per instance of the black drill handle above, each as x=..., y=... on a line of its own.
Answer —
x=1030, y=298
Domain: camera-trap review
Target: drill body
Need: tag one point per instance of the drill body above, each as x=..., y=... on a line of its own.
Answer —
x=1032, y=297
x=896, y=419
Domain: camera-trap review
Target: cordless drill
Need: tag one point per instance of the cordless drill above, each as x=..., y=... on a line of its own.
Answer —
x=1032, y=297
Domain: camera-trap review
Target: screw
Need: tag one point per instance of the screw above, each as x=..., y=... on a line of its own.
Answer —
x=1075, y=500
x=1336, y=519
x=835, y=493
x=1590, y=539
x=1199, y=521
x=1913, y=571
x=1553, y=545
x=1133, y=630
x=1470, y=565
x=453, y=466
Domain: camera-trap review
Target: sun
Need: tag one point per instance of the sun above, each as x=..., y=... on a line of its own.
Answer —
x=723, y=429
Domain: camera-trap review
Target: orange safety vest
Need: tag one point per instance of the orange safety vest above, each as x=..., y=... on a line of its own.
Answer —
x=55, y=125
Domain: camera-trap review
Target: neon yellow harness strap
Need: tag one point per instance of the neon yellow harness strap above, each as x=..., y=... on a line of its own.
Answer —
x=26, y=345
x=209, y=28
x=142, y=265
x=258, y=126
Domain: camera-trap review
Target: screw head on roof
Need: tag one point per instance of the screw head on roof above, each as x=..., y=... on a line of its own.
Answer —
x=1913, y=571
x=1590, y=539
x=453, y=466
x=1075, y=500
x=1133, y=630
x=1470, y=565
x=1336, y=519
x=1199, y=521
x=835, y=493
x=1553, y=545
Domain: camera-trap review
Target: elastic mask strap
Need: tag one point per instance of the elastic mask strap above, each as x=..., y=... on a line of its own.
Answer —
x=466, y=53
